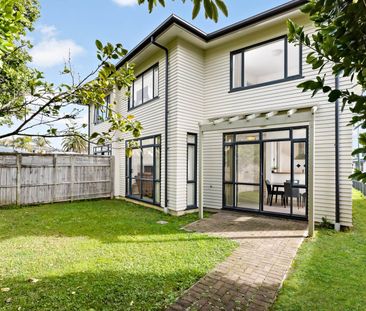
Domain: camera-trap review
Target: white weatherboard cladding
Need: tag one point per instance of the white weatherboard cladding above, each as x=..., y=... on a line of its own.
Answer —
x=218, y=101
x=199, y=85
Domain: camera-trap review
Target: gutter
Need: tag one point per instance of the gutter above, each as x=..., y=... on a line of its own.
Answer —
x=337, y=225
x=175, y=20
x=152, y=40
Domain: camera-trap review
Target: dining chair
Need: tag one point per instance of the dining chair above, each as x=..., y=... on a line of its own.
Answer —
x=291, y=193
x=271, y=192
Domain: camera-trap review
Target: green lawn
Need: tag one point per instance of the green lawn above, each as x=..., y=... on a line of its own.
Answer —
x=99, y=255
x=329, y=272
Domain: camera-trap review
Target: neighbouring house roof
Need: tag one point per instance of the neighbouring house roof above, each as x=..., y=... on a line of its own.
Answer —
x=207, y=37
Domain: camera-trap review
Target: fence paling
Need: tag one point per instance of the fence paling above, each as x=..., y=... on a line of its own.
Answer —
x=359, y=186
x=35, y=178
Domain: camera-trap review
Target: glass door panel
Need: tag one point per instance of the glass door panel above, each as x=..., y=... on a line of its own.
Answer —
x=248, y=176
x=248, y=196
x=276, y=175
x=248, y=163
x=299, y=186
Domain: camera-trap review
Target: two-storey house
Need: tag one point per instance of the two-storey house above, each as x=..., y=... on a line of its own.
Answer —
x=225, y=126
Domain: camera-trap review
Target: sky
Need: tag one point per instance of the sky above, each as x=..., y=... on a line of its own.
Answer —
x=70, y=27
x=74, y=25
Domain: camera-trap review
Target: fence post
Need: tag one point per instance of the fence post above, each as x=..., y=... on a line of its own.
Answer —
x=18, y=180
x=111, y=168
x=54, y=179
x=72, y=178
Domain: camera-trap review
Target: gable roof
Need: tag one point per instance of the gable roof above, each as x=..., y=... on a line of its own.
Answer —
x=207, y=37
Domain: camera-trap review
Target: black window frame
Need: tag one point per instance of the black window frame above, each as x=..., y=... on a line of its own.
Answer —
x=193, y=181
x=285, y=71
x=101, y=113
x=104, y=150
x=131, y=104
x=128, y=178
x=233, y=143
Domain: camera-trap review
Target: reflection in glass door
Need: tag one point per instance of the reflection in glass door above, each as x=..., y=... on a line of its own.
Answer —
x=266, y=171
x=247, y=175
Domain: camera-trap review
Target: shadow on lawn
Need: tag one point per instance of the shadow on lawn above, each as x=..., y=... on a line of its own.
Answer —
x=109, y=221
x=111, y=290
x=108, y=290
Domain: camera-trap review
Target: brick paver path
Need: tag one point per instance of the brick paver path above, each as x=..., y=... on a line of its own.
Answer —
x=251, y=276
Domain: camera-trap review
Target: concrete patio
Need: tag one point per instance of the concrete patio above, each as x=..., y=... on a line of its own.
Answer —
x=251, y=276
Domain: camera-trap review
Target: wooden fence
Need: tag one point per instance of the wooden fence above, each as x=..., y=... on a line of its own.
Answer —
x=359, y=186
x=47, y=178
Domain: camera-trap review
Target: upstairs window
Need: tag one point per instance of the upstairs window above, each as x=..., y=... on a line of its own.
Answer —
x=105, y=150
x=145, y=88
x=101, y=112
x=269, y=62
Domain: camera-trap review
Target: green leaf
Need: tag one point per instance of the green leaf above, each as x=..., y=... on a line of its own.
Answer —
x=196, y=8
x=222, y=6
x=99, y=45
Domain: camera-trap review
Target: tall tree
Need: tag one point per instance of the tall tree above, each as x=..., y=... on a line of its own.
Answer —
x=74, y=144
x=27, y=101
x=339, y=41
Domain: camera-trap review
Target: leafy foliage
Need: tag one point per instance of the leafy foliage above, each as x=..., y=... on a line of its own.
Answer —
x=211, y=7
x=27, y=101
x=74, y=143
x=339, y=42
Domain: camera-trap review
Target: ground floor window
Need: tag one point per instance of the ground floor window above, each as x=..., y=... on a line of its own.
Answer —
x=191, y=170
x=266, y=171
x=103, y=150
x=143, y=170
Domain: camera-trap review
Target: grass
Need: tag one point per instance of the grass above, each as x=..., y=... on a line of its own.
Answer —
x=329, y=272
x=100, y=255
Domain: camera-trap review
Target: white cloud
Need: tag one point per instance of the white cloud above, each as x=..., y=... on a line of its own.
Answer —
x=125, y=2
x=51, y=51
x=48, y=31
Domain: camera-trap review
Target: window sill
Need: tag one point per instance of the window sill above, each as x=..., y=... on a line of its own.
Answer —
x=297, y=77
x=143, y=104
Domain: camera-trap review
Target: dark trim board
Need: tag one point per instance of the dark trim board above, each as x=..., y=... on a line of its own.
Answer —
x=173, y=19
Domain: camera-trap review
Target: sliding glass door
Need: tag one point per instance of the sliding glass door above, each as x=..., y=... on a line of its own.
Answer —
x=266, y=171
x=143, y=171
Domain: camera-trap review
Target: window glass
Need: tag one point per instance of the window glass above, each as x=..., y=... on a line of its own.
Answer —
x=264, y=63
x=148, y=141
x=229, y=138
x=143, y=171
x=191, y=162
x=293, y=60
x=229, y=165
x=148, y=162
x=136, y=163
x=148, y=86
x=299, y=133
x=157, y=163
x=276, y=135
x=229, y=195
x=157, y=192
x=137, y=92
x=191, y=139
x=135, y=187
x=247, y=137
x=191, y=194
x=156, y=81
x=237, y=70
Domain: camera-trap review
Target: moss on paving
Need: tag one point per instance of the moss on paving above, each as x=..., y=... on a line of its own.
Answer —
x=329, y=272
x=100, y=255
